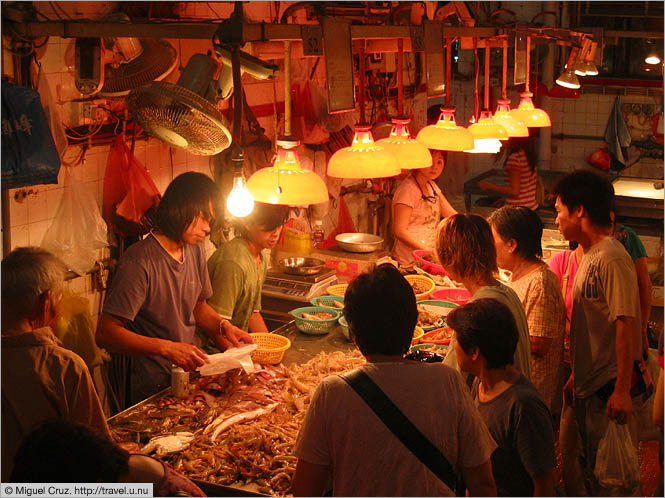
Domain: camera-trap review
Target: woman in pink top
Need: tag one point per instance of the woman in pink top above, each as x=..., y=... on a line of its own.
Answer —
x=418, y=205
x=519, y=173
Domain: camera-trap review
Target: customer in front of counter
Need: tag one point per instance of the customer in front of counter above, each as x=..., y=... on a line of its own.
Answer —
x=517, y=233
x=519, y=420
x=63, y=451
x=465, y=247
x=158, y=295
x=40, y=378
x=604, y=331
x=237, y=268
x=565, y=264
x=342, y=441
x=520, y=174
x=418, y=205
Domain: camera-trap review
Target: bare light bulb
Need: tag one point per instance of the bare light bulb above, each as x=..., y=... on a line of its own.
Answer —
x=239, y=202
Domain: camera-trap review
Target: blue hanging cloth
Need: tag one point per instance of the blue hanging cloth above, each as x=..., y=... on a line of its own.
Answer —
x=29, y=155
x=617, y=137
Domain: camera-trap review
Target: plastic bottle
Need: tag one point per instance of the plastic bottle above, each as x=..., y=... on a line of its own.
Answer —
x=318, y=234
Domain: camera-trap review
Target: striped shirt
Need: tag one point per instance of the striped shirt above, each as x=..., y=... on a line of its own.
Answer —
x=527, y=194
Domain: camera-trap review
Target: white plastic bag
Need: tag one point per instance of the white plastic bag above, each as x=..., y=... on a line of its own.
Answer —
x=230, y=359
x=616, y=460
x=77, y=230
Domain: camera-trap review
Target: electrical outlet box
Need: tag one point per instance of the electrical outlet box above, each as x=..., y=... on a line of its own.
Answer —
x=89, y=111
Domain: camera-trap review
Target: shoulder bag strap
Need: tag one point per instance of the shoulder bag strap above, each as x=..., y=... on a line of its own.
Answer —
x=402, y=427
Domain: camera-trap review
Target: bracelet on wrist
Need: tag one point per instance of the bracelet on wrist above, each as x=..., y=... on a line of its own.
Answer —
x=221, y=326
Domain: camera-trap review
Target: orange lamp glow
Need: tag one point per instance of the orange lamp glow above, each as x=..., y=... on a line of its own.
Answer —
x=485, y=146
x=286, y=182
x=410, y=153
x=513, y=126
x=486, y=128
x=530, y=115
x=364, y=159
x=445, y=134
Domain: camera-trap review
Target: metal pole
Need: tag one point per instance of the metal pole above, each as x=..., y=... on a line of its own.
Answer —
x=287, y=88
x=545, y=141
x=400, y=77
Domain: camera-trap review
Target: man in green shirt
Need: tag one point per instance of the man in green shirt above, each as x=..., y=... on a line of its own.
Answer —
x=238, y=268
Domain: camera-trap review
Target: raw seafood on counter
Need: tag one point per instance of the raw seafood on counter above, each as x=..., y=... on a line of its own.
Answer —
x=427, y=318
x=234, y=428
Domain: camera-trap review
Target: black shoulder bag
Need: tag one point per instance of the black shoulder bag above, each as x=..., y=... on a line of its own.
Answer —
x=404, y=429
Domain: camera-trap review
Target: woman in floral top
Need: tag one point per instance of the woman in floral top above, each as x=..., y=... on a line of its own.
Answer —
x=517, y=232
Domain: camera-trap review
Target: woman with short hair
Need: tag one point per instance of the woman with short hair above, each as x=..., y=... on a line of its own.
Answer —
x=466, y=250
x=486, y=338
x=343, y=441
x=517, y=232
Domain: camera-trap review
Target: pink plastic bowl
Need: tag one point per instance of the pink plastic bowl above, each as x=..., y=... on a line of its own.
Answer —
x=457, y=296
x=428, y=266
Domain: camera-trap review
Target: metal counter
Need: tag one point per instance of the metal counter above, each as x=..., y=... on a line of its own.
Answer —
x=303, y=348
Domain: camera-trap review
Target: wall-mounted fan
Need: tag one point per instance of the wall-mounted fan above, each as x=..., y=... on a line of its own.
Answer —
x=184, y=115
x=135, y=62
x=112, y=67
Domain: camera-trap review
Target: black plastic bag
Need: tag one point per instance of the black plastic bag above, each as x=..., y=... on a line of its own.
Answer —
x=29, y=155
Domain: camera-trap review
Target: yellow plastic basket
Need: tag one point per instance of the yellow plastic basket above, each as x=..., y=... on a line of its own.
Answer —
x=337, y=289
x=270, y=347
x=418, y=332
x=421, y=279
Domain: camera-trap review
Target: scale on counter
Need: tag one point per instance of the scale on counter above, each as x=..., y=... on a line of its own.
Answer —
x=297, y=287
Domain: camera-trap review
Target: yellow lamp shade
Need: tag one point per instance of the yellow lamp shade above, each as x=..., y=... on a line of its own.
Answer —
x=529, y=115
x=286, y=183
x=513, y=126
x=364, y=159
x=486, y=128
x=410, y=153
x=445, y=134
x=485, y=146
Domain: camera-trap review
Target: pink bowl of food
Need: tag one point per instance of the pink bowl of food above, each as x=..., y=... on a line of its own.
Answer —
x=428, y=262
x=457, y=296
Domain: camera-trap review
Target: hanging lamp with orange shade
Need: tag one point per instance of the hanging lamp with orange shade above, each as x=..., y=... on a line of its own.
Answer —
x=502, y=115
x=526, y=111
x=286, y=182
x=365, y=158
x=445, y=134
x=410, y=153
x=487, y=135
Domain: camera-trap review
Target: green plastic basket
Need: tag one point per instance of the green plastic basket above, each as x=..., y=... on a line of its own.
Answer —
x=436, y=302
x=327, y=301
x=315, y=327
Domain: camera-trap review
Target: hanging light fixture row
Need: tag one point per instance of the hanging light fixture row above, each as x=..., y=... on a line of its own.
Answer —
x=287, y=183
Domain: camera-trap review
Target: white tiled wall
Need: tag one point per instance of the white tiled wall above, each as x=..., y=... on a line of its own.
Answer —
x=588, y=116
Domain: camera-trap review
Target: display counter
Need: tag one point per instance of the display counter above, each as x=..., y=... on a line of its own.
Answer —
x=243, y=425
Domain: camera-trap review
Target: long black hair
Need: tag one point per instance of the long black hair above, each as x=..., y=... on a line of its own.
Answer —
x=186, y=196
x=515, y=144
